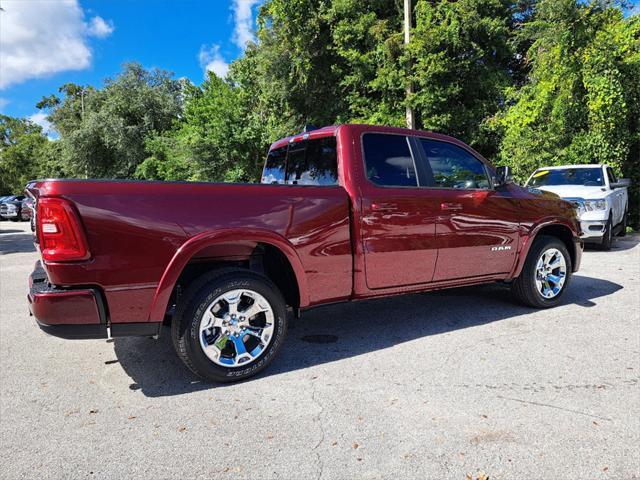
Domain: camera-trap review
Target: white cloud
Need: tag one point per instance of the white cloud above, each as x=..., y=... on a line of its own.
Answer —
x=98, y=27
x=211, y=60
x=42, y=38
x=40, y=118
x=244, y=23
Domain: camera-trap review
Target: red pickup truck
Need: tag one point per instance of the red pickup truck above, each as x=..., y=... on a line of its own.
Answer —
x=342, y=213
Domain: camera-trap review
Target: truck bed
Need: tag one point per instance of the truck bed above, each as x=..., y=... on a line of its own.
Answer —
x=135, y=228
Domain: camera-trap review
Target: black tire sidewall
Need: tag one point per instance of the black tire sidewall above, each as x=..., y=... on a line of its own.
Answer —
x=193, y=315
x=607, y=238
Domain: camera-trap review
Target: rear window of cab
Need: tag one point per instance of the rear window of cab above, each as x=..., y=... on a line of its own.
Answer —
x=309, y=162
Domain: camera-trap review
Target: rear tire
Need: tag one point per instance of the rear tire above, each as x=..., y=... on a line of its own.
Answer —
x=530, y=287
x=230, y=349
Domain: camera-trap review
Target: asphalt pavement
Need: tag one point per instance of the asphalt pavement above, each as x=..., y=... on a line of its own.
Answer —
x=455, y=384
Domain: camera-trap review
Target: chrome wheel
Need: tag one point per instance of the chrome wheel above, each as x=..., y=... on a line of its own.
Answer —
x=236, y=328
x=551, y=273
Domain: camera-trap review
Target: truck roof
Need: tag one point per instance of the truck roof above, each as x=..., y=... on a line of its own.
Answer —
x=328, y=131
x=332, y=130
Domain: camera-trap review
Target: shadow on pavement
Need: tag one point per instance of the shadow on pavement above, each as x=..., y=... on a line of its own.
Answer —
x=619, y=244
x=360, y=327
x=11, y=242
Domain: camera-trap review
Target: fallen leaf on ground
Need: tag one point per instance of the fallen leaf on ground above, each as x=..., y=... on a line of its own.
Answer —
x=354, y=446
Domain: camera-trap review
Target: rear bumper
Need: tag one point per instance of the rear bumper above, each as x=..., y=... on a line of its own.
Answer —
x=76, y=313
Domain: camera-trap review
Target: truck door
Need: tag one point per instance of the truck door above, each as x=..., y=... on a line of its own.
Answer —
x=398, y=215
x=477, y=226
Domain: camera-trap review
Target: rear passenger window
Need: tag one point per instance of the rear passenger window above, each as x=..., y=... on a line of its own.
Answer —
x=454, y=167
x=276, y=166
x=388, y=160
x=313, y=162
x=310, y=162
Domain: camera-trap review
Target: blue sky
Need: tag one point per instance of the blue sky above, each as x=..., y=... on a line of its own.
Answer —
x=46, y=43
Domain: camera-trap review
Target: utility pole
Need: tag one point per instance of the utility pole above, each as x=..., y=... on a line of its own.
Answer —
x=411, y=120
x=82, y=102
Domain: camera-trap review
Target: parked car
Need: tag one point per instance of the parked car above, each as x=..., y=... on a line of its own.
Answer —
x=343, y=213
x=2, y=199
x=600, y=198
x=11, y=207
x=26, y=210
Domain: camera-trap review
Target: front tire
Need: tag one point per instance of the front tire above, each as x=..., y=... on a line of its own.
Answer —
x=229, y=325
x=607, y=238
x=545, y=275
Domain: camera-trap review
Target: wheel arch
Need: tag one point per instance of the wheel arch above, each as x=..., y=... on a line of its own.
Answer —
x=553, y=228
x=218, y=248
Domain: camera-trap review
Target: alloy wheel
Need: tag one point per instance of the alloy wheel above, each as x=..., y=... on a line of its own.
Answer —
x=551, y=273
x=236, y=328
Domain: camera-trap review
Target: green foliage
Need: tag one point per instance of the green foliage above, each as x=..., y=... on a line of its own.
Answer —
x=370, y=65
x=575, y=107
x=22, y=149
x=104, y=131
x=211, y=143
x=462, y=58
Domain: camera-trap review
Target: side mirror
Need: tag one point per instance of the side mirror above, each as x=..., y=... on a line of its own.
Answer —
x=503, y=176
x=621, y=183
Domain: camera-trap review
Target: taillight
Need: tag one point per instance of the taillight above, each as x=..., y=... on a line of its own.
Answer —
x=60, y=234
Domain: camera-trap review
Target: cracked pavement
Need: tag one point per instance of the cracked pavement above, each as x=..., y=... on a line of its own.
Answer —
x=435, y=385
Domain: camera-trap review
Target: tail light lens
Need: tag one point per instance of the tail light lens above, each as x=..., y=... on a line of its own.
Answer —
x=60, y=234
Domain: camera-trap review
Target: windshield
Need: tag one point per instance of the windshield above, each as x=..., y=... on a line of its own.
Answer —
x=590, y=177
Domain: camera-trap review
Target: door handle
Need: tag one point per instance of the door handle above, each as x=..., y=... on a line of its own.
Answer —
x=450, y=206
x=384, y=207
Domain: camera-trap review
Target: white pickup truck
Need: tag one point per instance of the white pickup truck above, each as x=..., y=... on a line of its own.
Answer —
x=600, y=198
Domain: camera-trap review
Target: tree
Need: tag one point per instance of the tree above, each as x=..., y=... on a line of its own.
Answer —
x=212, y=142
x=462, y=58
x=22, y=144
x=104, y=131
